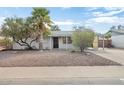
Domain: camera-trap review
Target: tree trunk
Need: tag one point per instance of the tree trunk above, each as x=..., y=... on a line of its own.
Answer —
x=22, y=43
x=29, y=47
x=41, y=41
x=81, y=49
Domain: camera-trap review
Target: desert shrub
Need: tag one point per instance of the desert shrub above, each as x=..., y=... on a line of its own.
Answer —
x=83, y=39
x=6, y=42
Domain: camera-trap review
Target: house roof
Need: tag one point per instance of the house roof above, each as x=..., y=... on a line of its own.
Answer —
x=61, y=33
x=118, y=31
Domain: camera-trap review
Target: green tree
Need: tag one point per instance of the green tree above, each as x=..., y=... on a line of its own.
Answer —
x=19, y=30
x=108, y=34
x=41, y=23
x=78, y=28
x=55, y=28
x=83, y=39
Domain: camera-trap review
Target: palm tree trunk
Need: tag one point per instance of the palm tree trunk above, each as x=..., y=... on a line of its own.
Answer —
x=41, y=41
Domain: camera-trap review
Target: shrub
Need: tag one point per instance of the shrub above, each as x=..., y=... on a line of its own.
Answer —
x=83, y=39
x=6, y=42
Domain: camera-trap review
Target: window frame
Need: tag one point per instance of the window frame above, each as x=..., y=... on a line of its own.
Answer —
x=69, y=40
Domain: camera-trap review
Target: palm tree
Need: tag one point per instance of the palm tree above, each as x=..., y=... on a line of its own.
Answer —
x=41, y=22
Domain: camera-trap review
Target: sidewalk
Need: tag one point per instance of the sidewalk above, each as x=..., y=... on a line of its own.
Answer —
x=62, y=75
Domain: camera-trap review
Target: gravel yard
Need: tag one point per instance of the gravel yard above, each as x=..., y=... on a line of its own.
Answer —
x=51, y=58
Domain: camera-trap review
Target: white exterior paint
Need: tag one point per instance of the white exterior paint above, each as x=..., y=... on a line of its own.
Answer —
x=35, y=45
x=60, y=35
x=63, y=46
x=118, y=41
x=47, y=44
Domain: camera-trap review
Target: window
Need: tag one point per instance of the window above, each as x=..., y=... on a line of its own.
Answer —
x=69, y=41
x=64, y=40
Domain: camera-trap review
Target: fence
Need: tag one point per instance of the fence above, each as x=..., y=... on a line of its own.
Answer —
x=107, y=43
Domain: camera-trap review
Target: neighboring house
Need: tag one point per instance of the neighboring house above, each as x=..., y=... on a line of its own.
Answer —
x=117, y=38
x=57, y=39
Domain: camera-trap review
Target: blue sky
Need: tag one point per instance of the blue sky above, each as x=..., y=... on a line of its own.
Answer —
x=100, y=19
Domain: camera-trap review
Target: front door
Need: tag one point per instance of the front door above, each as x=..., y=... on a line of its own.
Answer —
x=55, y=42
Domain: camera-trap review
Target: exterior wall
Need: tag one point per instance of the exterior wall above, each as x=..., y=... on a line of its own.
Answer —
x=34, y=44
x=95, y=43
x=46, y=44
x=63, y=46
x=118, y=41
x=117, y=33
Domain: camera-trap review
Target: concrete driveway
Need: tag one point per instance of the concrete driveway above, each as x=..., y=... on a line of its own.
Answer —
x=116, y=55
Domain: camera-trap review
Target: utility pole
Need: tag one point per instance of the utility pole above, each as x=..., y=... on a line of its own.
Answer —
x=103, y=45
x=66, y=41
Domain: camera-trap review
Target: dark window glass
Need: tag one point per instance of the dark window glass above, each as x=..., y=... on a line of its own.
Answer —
x=69, y=41
x=64, y=40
